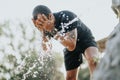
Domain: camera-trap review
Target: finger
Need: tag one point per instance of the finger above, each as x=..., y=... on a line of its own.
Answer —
x=39, y=22
x=39, y=16
x=39, y=27
x=36, y=22
x=51, y=17
x=44, y=17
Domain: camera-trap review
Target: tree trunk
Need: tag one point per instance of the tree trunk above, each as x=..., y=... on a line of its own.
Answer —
x=109, y=66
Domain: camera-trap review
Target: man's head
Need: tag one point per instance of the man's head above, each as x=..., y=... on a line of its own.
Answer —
x=43, y=19
x=41, y=9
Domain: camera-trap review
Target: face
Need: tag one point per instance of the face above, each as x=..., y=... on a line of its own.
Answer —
x=44, y=23
x=37, y=22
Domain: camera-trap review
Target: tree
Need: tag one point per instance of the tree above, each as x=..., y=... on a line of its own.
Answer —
x=21, y=58
x=109, y=66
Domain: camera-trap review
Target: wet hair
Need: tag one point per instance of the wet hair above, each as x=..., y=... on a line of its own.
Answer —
x=41, y=9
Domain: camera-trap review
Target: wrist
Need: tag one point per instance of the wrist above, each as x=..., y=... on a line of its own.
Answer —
x=53, y=32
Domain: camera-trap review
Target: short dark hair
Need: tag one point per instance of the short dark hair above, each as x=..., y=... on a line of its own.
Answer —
x=41, y=9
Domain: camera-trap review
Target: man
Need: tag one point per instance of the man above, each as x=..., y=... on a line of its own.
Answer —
x=67, y=28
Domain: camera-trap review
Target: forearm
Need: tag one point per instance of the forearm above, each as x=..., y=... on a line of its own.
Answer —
x=46, y=44
x=66, y=41
x=69, y=44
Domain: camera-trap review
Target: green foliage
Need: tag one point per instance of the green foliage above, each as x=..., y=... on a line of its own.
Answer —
x=21, y=58
x=84, y=74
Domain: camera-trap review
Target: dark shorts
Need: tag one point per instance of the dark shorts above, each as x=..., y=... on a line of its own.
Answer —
x=73, y=59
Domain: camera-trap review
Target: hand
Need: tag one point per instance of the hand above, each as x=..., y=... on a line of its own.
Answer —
x=44, y=23
x=38, y=24
x=46, y=47
x=59, y=37
x=48, y=23
x=68, y=39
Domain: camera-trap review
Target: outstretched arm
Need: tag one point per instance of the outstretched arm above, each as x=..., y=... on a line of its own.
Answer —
x=68, y=40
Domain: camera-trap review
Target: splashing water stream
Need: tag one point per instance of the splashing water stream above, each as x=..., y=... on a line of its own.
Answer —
x=43, y=56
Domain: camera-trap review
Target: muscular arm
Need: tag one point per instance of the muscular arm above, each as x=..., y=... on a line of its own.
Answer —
x=68, y=40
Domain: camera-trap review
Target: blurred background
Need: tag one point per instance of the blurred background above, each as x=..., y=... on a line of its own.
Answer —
x=20, y=52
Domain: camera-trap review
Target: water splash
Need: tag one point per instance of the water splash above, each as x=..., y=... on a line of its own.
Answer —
x=67, y=25
x=29, y=71
x=37, y=67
